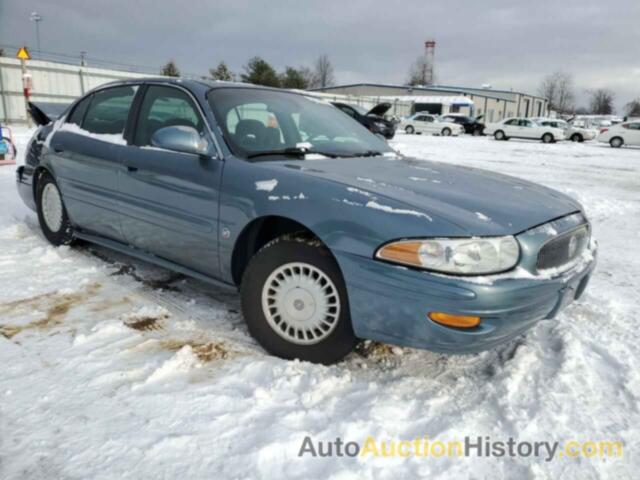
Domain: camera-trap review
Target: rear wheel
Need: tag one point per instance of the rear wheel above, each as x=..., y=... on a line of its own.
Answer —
x=409, y=129
x=499, y=135
x=547, y=138
x=446, y=132
x=52, y=215
x=294, y=301
x=616, y=142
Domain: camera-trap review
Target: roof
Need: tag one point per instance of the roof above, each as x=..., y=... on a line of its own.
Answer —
x=480, y=90
x=445, y=100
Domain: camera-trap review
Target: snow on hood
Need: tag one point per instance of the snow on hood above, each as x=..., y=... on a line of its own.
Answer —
x=478, y=201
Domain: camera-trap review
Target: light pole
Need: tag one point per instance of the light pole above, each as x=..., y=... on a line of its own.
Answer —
x=37, y=18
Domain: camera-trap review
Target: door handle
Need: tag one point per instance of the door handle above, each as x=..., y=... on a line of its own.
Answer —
x=131, y=168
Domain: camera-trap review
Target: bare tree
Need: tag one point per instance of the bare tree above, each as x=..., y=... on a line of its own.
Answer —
x=601, y=102
x=632, y=109
x=558, y=89
x=323, y=75
x=421, y=72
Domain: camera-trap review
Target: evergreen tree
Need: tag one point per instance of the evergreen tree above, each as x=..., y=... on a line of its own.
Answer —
x=170, y=69
x=222, y=73
x=259, y=72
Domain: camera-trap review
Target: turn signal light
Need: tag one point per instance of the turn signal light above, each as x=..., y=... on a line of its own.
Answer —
x=457, y=321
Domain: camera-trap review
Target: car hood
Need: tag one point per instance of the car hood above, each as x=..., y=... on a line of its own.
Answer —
x=477, y=201
x=380, y=109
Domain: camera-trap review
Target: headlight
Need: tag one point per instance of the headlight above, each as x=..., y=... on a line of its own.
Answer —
x=380, y=125
x=462, y=256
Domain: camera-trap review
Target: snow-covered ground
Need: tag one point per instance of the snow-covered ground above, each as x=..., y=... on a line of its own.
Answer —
x=112, y=368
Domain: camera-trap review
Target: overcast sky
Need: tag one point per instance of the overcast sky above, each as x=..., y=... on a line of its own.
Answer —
x=509, y=44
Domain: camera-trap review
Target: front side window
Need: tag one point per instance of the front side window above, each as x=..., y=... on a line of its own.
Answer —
x=256, y=121
x=165, y=107
x=513, y=121
x=109, y=110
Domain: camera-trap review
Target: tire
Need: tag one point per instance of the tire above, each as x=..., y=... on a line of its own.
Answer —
x=409, y=129
x=576, y=137
x=271, y=298
x=547, y=138
x=476, y=132
x=52, y=214
x=446, y=132
x=616, y=142
x=499, y=135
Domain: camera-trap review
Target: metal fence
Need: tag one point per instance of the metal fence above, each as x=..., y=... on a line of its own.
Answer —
x=52, y=82
x=57, y=82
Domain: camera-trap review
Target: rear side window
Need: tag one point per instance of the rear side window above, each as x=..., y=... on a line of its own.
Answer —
x=79, y=110
x=165, y=107
x=109, y=110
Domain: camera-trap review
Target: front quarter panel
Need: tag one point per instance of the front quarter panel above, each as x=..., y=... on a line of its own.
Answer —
x=345, y=218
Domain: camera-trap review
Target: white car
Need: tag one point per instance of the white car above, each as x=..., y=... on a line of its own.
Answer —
x=523, y=128
x=572, y=131
x=627, y=133
x=430, y=124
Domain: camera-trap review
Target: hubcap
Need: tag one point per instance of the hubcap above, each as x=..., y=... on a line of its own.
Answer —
x=301, y=303
x=52, y=207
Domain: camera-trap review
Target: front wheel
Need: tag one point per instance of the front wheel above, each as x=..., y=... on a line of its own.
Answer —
x=409, y=129
x=499, y=135
x=295, y=303
x=576, y=137
x=446, y=132
x=52, y=214
x=547, y=138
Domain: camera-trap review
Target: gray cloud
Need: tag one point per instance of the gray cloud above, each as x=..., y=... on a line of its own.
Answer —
x=509, y=44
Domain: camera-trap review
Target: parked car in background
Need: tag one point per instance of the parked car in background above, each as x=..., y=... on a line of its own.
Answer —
x=573, y=132
x=472, y=126
x=372, y=119
x=627, y=133
x=430, y=124
x=300, y=208
x=524, y=128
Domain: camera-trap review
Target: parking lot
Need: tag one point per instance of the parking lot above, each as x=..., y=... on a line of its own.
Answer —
x=112, y=365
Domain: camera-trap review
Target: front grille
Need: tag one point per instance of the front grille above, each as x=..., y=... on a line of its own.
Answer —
x=563, y=249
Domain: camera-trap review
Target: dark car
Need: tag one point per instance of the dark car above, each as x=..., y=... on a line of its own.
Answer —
x=372, y=119
x=472, y=126
x=329, y=234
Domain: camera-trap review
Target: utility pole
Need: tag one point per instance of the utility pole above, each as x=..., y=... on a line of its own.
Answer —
x=37, y=18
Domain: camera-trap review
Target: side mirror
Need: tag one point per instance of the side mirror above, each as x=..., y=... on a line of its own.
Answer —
x=180, y=139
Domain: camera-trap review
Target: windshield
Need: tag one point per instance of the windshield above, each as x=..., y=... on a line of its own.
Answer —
x=256, y=121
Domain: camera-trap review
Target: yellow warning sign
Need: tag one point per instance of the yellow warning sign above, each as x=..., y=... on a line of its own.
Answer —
x=23, y=54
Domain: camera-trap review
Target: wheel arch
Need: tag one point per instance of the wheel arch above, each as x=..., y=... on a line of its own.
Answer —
x=259, y=232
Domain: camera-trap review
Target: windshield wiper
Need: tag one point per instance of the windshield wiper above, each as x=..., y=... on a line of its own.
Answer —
x=368, y=153
x=293, y=152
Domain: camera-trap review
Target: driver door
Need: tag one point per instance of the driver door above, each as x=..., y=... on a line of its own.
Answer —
x=170, y=199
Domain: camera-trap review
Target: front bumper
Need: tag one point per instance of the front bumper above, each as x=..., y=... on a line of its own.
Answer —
x=390, y=304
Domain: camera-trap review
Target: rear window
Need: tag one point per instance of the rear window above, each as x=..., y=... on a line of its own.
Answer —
x=79, y=110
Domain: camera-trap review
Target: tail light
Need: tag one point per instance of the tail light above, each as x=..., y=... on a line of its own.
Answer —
x=603, y=130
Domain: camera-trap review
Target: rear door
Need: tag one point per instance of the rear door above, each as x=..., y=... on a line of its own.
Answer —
x=85, y=156
x=170, y=199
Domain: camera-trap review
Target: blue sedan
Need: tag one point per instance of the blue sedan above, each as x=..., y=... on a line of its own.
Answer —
x=329, y=234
